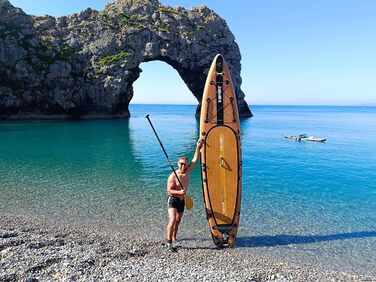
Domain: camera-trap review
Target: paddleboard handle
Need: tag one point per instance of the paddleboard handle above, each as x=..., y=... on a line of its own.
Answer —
x=207, y=110
x=233, y=109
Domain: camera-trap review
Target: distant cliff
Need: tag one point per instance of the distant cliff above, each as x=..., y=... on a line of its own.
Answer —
x=84, y=65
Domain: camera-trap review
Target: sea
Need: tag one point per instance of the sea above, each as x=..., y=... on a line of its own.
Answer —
x=303, y=202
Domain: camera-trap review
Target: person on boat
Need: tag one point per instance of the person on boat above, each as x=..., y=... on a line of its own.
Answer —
x=176, y=194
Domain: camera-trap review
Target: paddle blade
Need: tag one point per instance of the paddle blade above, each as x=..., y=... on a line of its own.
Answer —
x=188, y=202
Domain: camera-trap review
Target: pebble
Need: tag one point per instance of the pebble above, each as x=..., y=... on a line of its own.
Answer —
x=41, y=250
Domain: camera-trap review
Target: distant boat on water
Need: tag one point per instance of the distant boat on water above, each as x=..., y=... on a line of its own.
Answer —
x=305, y=137
x=315, y=139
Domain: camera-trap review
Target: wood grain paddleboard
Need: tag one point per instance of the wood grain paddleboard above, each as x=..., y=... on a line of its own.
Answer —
x=221, y=154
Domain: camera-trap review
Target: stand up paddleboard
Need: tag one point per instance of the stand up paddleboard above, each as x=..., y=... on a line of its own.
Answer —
x=221, y=154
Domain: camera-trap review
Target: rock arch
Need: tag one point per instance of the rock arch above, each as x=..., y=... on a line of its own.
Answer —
x=85, y=64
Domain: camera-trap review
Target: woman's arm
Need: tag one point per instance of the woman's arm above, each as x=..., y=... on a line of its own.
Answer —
x=195, y=156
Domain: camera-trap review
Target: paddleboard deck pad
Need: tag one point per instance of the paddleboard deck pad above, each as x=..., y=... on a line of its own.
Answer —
x=221, y=154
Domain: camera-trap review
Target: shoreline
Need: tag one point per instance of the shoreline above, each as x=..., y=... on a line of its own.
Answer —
x=44, y=249
x=61, y=117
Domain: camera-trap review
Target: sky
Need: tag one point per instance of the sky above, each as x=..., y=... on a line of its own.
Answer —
x=294, y=52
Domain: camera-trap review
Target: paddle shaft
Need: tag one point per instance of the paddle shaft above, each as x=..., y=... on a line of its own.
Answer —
x=164, y=151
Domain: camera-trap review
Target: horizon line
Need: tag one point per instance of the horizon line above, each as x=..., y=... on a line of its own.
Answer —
x=269, y=105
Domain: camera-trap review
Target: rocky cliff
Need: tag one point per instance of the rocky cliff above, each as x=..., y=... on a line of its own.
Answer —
x=84, y=64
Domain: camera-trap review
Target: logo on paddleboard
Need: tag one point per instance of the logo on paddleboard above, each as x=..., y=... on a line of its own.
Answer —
x=219, y=94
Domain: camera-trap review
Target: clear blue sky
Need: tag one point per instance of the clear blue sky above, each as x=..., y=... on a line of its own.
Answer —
x=294, y=52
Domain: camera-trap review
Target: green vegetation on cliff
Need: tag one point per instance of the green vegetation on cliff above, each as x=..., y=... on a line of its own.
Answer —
x=114, y=58
x=166, y=9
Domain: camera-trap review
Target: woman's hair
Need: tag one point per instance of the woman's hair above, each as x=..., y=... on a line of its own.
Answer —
x=183, y=158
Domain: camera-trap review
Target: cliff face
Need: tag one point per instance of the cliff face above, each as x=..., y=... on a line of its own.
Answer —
x=85, y=64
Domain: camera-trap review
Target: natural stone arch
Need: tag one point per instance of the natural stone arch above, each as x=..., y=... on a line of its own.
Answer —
x=85, y=64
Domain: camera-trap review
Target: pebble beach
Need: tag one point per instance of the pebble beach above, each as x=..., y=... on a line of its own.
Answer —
x=34, y=249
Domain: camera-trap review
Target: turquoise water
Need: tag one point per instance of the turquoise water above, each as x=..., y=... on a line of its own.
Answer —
x=305, y=202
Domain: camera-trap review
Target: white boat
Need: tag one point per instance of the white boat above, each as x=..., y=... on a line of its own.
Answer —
x=304, y=137
x=315, y=139
x=299, y=137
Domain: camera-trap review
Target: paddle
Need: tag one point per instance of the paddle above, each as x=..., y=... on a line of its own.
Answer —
x=188, y=200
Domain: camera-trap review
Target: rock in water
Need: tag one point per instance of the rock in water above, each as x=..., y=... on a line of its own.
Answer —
x=85, y=64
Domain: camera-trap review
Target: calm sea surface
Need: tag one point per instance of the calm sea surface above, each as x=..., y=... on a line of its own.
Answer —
x=304, y=202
